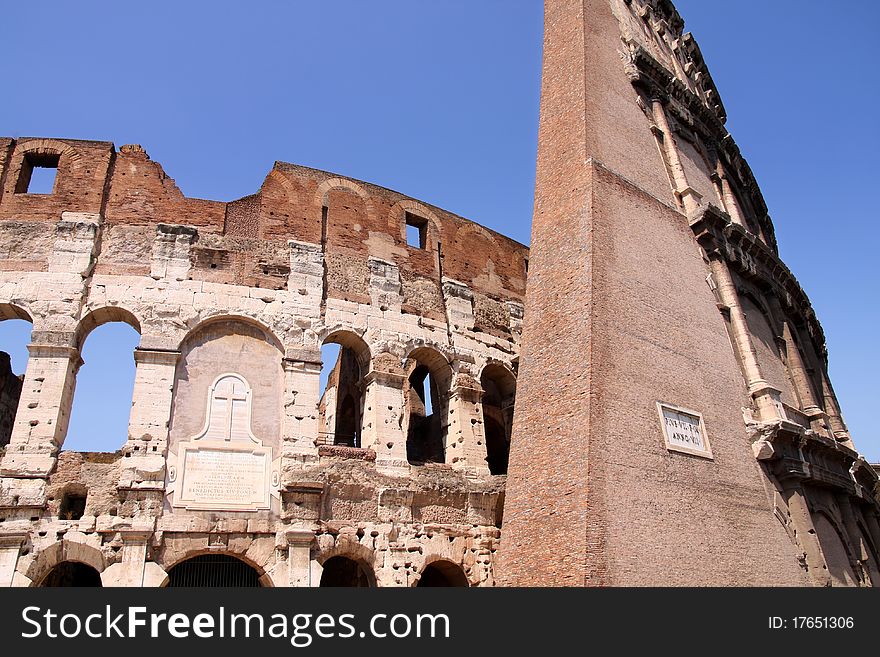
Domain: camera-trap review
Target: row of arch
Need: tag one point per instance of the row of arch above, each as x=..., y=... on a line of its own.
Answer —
x=228, y=571
x=347, y=360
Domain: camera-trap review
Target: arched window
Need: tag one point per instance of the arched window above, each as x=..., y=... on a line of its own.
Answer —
x=104, y=386
x=499, y=394
x=427, y=406
x=345, y=359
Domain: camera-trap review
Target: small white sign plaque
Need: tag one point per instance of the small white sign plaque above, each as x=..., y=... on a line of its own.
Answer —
x=683, y=430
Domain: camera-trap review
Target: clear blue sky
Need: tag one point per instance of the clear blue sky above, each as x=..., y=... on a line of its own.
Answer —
x=440, y=101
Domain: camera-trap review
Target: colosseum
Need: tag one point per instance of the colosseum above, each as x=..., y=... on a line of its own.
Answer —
x=674, y=425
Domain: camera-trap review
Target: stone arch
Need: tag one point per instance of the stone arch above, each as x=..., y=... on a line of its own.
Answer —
x=49, y=147
x=261, y=576
x=221, y=317
x=351, y=339
x=342, y=399
x=90, y=387
x=340, y=183
x=440, y=571
x=497, y=401
x=104, y=315
x=276, y=176
x=322, y=194
x=360, y=554
x=15, y=311
x=427, y=396
x=228, y=345
x=63, y=551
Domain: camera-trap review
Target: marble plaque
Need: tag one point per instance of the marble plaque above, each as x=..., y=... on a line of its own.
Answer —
x=683, y=430
x=222, y=477
x=225, y=467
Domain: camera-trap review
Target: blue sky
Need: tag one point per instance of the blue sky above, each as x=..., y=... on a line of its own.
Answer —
x=440, y=101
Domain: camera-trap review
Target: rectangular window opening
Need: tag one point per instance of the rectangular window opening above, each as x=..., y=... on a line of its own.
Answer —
x=416, y=231
x=38, y=173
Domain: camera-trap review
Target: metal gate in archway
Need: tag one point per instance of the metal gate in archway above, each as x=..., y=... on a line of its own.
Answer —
x=213, y=570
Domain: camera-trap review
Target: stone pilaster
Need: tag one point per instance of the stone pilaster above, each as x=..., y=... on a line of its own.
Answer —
x=144, y=464
x=302, y=372
x=10, y=548
x=299, y=548
x=382, y=431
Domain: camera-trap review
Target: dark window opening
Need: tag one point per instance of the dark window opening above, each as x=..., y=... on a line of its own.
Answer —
x=499, y=393
x=73, y=506
x=342, y=571
x=416, y=231
x=443, y=573
x=424, y=441
x=38, y=173
x=72, y=573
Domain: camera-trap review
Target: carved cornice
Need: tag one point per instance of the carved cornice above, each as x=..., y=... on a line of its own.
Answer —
x=792, y=452
x=656, y=81
x=754, y=260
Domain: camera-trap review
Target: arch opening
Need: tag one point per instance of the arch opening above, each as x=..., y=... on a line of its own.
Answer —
x=71, y=573
x=443, y=573
x=344, y=571
x=344, y=362
x=499, y=395
x=104, y=388
x=427, y=406
x=15, y=335
x=213, y=570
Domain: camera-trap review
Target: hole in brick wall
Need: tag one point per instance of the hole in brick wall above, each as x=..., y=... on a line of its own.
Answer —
x=416, y=231
x=73, y=506
x=38, y=173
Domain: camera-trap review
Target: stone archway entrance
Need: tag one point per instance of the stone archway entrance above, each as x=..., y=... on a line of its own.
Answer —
x=213, y=570
x=71, y=573
x=342, y=571
x=443, y=573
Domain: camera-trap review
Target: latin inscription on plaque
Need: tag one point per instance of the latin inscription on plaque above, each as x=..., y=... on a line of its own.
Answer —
x=223, y=478
x=684, y=430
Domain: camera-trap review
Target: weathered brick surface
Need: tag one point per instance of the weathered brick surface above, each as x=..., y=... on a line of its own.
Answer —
x=625, y=309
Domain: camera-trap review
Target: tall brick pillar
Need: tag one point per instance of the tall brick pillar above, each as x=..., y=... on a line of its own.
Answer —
x=618, y=317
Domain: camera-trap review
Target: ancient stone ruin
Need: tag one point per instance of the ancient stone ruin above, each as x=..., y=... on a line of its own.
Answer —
x=674, y=419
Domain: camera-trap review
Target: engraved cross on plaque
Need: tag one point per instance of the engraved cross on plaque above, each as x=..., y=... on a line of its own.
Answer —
x=229, y=390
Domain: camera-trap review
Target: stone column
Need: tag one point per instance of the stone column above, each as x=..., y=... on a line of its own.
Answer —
x=10, y=547
x=465, y=440
x=302, y=373
x=145, y=450
x=766, y=396
x=382, y=425
x=728, y=198
x=689, y=197
x=41, y=421
x=299, y=559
